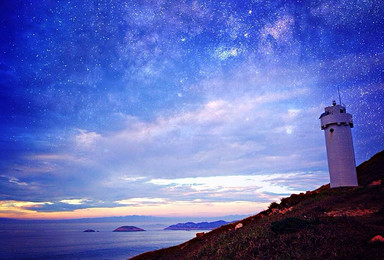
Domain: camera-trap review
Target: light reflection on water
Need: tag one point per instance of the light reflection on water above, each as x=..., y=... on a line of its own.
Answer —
x=68, y=241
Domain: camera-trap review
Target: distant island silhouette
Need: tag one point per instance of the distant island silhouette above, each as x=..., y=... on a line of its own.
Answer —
x=128, y=229
x=197, y=226
x=89, y=230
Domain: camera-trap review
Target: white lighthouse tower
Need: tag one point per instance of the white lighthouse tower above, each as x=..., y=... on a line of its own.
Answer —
x=337, y=124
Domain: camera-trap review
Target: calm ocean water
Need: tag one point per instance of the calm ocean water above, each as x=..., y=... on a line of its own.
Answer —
x=68, y=241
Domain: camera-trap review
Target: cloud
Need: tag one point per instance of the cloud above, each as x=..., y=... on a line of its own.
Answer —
x=86, y=139
x=141, y=201
x=12, y=208
x=132, y=179
x=246, y=135
x=253, y=185
x=52, y=157
x=15, y=180
x=74, y=201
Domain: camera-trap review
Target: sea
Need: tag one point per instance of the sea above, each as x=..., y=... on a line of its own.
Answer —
x=68, y=241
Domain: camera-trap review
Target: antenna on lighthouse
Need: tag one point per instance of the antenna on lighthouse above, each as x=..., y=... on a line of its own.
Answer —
x=338, y=91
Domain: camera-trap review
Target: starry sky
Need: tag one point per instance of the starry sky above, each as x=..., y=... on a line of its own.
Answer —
x=179, y=108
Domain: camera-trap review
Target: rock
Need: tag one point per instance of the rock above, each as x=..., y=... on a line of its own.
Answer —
x=351, y=212
x=375, y=183
x=200, y=234
x=283, y=211
x=240, y=225
x=377, y=238
x=89, y=230
x=128, y=229
x=275, y=211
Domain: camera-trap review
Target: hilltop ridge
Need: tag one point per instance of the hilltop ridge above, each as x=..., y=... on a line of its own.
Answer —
x=326, y=223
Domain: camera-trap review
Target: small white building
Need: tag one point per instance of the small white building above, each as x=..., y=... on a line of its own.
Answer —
x=337, y=124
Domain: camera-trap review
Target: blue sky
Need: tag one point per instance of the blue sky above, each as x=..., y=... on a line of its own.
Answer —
x=179, y=107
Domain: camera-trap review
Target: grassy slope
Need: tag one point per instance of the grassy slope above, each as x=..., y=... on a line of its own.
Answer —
x=323, y=224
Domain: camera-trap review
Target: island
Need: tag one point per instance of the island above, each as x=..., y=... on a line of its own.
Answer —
x=197, y=226
x=89, y=230
x=128, y=229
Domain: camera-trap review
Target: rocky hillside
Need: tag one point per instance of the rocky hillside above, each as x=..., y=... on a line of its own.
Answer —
x=340, y=223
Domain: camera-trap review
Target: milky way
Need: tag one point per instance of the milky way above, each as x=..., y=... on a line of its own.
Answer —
x=142, y=103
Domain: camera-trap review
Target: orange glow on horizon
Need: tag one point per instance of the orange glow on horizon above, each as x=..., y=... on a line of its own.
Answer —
x=171, y=209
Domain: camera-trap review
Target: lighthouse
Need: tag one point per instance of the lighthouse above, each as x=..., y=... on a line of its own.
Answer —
x=337, y=124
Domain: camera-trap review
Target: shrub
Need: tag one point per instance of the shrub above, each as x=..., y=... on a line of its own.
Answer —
x=274, y=205
x=288, y=225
